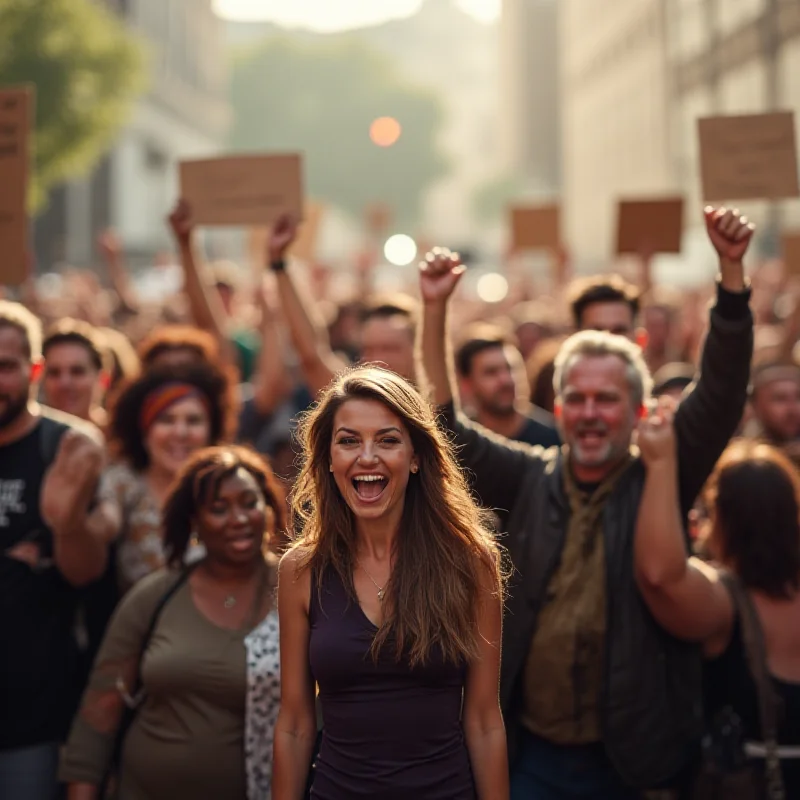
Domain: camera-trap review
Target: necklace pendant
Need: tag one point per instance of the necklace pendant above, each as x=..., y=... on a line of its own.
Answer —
x=230, y=601
x=380, y=594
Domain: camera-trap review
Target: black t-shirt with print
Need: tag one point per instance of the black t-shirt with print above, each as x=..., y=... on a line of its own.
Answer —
x=38, y=652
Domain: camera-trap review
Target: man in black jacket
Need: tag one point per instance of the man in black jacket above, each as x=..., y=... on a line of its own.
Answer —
x=598, y=700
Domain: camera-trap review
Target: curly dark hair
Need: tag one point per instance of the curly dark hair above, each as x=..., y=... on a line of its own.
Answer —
x=754, y=499
x=126, y=439
x=198, y=482
x=167, y=338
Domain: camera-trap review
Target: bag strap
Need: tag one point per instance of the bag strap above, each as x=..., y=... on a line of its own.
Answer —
x=151, y=627
x=756, y=655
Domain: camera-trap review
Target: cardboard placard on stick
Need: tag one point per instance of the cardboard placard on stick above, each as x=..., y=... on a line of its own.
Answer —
x=243, y=190
x=752, y=157
x=649, y=226
x=16, y=111
x=790, y=248
x=535, y=227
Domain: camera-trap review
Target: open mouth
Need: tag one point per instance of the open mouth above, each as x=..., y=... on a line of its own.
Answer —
x=242, y=541
x=591, y=438
x=370, y=487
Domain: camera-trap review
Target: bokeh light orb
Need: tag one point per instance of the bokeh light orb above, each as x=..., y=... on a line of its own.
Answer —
x=492, y=288
x=385, y=131
x=400, y=250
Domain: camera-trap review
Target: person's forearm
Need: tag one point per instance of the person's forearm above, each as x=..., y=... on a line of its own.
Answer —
x=121, y=282
x=206, y=313
x=435, y=356
x=271, y=384
x=489, y=760
x=311, y=343
x=659, y=551
x=732, y=275
x=81, y=547
x=291, y=763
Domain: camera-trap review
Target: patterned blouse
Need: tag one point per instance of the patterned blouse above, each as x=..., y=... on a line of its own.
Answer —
x=140, y=548
x=140, y=545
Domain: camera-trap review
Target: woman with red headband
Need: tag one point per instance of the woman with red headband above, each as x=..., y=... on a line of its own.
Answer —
x=157, y=422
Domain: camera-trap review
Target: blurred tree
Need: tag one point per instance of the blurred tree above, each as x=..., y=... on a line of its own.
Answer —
x=86, y=68
x=321, y=98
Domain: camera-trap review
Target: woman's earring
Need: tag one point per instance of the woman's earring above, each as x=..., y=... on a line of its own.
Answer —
x=331, y=467
x=195, y=540
x=414, y=469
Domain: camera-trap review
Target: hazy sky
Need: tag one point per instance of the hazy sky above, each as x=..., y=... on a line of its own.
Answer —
x=335, y=15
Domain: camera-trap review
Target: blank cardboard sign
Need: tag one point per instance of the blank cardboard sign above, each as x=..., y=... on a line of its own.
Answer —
x=649, y=226
x=752, y=157
x=790, y=247
x=16, y=107
x=243, y=190
x=535, y=227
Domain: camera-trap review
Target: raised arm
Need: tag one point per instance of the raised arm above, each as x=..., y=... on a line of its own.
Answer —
x=205, y=304
x=111, y=249
x=497, y=465
x=684, y=595
x=271, y=382
x=81, y=533
x=317, y=361
x=711, y=413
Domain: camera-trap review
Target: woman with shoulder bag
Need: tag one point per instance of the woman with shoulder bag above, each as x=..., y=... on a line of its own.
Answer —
x=744, y=609
x=186, y=686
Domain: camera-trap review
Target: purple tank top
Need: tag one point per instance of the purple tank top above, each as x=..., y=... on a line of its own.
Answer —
x=390, y=732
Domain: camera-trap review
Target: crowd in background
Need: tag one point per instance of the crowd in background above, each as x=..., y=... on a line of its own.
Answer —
x=174, y=397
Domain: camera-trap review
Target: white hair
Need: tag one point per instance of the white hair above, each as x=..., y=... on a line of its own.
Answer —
x=597, y=344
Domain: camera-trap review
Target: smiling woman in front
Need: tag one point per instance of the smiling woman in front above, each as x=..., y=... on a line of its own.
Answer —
x=391, y=602
x=193, y=651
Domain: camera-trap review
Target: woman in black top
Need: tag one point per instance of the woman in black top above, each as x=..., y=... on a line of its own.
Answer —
x=755, y=535
x=391, y=603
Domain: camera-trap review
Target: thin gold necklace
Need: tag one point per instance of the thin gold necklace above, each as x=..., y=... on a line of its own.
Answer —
x=381, y=590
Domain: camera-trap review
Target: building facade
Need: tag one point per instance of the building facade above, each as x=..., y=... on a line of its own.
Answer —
x=529, y=121
x=184, y=114
x=615, y=113
x=637, y=75
x=733, y=57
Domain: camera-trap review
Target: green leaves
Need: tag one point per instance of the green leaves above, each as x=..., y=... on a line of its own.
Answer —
x=86, y=68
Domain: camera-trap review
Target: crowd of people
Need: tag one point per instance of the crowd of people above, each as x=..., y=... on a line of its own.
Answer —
x=261, y=541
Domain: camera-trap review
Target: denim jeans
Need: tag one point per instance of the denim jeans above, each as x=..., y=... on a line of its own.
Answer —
x=546, y=771
x=29, y=773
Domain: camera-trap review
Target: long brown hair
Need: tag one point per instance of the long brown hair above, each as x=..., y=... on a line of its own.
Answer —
x=444, y=545
x=754, y=499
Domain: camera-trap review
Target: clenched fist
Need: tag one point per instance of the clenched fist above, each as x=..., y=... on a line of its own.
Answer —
x=729, y=232
x=439, y=275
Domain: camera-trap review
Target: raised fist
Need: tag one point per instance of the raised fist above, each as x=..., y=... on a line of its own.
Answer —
x=439, y=275
x=729, y=232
